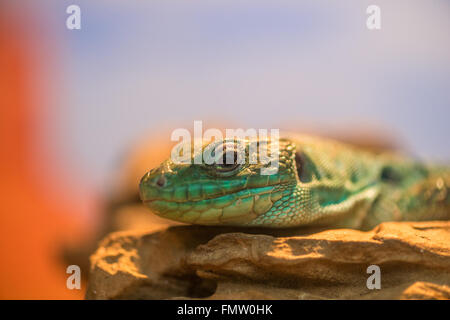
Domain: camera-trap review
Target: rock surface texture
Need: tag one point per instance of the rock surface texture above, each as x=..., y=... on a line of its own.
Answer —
x=223, y=263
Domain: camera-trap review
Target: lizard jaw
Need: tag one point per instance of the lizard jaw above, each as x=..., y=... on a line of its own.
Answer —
x=237, y=208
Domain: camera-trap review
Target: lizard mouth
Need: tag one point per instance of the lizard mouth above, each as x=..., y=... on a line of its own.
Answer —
x=238, y=207
x=227, y=198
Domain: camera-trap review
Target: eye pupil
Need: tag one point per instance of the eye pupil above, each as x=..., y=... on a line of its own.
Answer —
x=229, y=161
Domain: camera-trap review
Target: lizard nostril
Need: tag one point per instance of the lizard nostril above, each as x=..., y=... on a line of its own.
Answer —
x=161, y=182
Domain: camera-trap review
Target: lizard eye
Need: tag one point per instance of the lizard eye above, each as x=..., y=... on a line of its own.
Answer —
x=227, y=159
x=229, y=162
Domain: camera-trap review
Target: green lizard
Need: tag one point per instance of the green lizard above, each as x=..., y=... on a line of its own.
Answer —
x=318, y=182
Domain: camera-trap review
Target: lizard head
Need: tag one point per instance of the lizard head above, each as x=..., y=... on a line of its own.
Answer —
x=234, y=182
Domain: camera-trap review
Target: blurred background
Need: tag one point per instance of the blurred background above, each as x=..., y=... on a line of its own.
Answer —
x=76, y=103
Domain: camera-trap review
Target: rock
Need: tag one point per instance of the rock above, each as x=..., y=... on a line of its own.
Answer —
x=220, y=263
x=122, y=209
x=133, y=264
x=426, y=290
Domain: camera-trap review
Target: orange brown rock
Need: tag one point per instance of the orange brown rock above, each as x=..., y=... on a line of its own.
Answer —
x=220, y=263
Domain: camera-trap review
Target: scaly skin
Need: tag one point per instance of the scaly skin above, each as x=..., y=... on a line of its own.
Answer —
x=319, y=182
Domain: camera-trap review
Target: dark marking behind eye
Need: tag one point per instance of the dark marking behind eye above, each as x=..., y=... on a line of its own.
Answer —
x=227, y=157
x=390, y=175
x=305, y=167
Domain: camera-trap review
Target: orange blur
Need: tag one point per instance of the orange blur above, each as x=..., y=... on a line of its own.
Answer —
x=34, y=223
